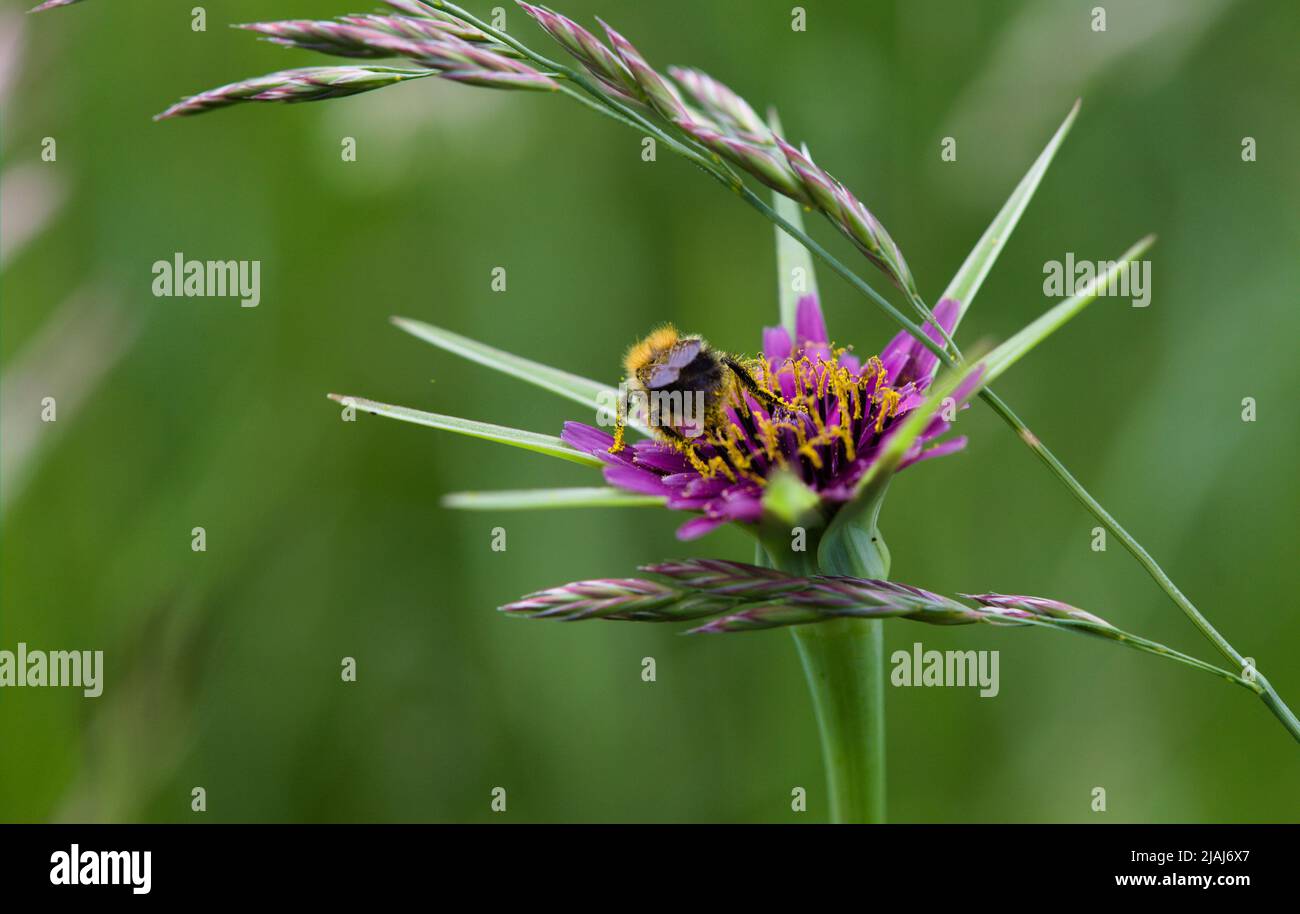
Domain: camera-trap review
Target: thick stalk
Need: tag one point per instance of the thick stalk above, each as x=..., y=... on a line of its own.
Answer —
x=844, y=662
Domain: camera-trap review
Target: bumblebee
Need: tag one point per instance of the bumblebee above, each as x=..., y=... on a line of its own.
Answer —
x=688, y=385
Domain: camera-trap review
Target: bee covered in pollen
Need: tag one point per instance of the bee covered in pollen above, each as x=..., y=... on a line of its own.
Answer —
x=684, y=387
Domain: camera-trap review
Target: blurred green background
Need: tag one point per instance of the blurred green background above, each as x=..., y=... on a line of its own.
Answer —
x=326, y=539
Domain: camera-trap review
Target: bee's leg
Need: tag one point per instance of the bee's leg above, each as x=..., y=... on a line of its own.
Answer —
x=770, y=400
x=620, y=423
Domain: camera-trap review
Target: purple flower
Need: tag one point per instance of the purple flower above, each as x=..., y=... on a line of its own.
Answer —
x=848, y=410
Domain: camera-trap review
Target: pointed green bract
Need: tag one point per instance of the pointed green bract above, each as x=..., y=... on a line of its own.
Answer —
x=589, y=393
x=534, y=499
x=576, y=388
x=1015, y=348
x=970, y=277
x=793, y=260
x=853, y=543
x=529, y=441
x=865, y=505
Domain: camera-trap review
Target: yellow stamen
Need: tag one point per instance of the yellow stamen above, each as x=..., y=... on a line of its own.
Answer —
x=889, y=399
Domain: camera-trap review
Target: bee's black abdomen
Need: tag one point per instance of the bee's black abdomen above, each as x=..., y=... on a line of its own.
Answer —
x=686, y=393
x=704, y=372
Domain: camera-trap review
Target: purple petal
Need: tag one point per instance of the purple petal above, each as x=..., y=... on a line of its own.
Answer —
x=742, y=505
x=585, y=438
x=898, y=350
x=678, y=503
x=895, y=366
x=946, y=313
x=841, y=491
x=699, y=487
x=939, y=450
x=910, y=401
x=635, y=479
x=809, y=325
x=654, y=456
x=776, y=344
x=698, y=526
x=967, y=386
x=925, y=361
x=908, y=359
x=934, y=428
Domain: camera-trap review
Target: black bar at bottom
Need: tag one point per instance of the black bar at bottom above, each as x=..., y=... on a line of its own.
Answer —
x=550, y=864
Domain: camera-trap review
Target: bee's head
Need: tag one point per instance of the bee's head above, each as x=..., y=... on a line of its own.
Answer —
x=650, y=350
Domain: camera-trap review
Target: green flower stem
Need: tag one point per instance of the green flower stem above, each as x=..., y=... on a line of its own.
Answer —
x=716, y=169
x=844, y=662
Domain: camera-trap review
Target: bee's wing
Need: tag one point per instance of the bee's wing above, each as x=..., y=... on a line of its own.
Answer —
x=684, y=353
x=681, y=355
x=662, y=376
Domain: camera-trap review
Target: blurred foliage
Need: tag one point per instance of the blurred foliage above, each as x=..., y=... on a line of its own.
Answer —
x=326, y=539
